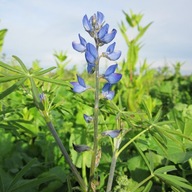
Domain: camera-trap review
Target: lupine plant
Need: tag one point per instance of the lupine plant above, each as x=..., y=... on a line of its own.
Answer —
x=98, y=30
x=108, y=143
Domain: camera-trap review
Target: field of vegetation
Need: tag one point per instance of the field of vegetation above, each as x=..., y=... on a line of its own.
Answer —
x=56, y=140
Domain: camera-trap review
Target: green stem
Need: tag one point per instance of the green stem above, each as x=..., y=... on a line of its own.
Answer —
x=67, y=157
x=96, y=115
x=133, y=139
x=142, y=182
x=113, y=164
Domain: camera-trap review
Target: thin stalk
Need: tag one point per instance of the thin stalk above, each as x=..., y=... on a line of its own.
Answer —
x=67, y=157
x=133, y=139
x=96, y=115
x=142, y=182
x=113, y=164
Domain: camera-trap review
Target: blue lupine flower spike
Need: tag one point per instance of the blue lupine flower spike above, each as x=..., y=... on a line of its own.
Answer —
x=112, y=133
x=81, y=148
x=87, y=118
x=111, y=54
x=80, y=86
x=81, y=47
x=106, y=92
x=110, y=76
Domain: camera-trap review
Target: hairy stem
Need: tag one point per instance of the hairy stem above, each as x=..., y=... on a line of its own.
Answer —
x=96, y=114
x=113, y=164
x=66, y=155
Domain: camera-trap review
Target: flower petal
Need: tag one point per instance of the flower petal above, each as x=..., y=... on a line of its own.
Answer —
x=86, y=23
x=103, y=31
x=113, y=78
x=78, y=47
x=87, y=118
x=92, y=49
x=106, y=87
x=81, y=81
x=114, y=55
x=100, y=18
x=109, y=36
x=77, y=88
x=82, y=40
x=111, y=48
x=111, y=69
x=81, y=148
x=91, y=68
x=111, y=133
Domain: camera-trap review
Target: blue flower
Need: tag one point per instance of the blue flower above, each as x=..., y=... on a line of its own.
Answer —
x=104, y=37
x=94, y=23
x=87, y=118
x=90, y=68
x=81, y=47
x=81, y=148
x=111, y=133
x=91, y=54
x=110, y=76
x=111, y=54
x=80, y=86
x=106, y=92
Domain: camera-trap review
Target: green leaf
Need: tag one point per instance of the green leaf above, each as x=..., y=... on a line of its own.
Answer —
x=165, y=169
x=12, y=88
x=142, y=31
x=2, y=36
x=22, y=64
x=20, y=174
x=42, y=72
x=10, y=78
x=36, y=94
x=148, y=187
x=49, y=80
x=32, y=183
x=10, y=68
x=174, y=180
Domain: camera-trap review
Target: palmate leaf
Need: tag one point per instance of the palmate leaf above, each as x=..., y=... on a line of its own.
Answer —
x=173, y=180
x=2, y=35
x=12, y=88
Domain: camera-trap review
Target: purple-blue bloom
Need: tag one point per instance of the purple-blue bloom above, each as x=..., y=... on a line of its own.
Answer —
x=110, y=76
x=91, y=54
x=90, y=68
x=104, y=37
x=111, y=133
x=106, y=92
x=87, y=118
x=93, y=24
x=111, y=54
x=81, y=47
x=80, y=86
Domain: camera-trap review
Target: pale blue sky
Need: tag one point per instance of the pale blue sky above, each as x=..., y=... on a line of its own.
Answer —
x=37, y=28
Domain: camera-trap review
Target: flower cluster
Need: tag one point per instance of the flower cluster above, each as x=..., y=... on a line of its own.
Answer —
x=96, y=27
x=99, y=31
